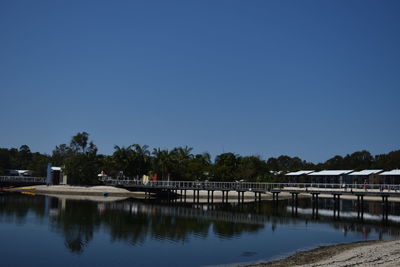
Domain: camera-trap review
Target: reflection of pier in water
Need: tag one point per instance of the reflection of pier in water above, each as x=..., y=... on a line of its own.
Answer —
x=133, y=221
x=204, y=212
x=345, y=214
x=279, y=215
x=340, y=209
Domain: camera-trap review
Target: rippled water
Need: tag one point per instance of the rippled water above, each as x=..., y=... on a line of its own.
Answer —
x=42, y=230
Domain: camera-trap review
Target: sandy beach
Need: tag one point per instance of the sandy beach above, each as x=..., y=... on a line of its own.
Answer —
x=78, y=190
x=120, y=192
x=369, y=253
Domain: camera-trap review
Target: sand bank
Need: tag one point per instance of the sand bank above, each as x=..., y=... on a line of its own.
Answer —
x=78, y=190
x=369, y=253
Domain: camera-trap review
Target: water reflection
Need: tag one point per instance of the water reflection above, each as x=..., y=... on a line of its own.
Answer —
x=134, y=222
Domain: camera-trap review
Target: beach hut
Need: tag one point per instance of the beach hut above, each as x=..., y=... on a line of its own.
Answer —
x=330, y=176
x=390, y=177
x=55, y=175
x=369, y=176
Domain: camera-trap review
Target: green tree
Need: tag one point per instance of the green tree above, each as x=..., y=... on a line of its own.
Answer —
x=79, y=142
x=252, y=168
x=226, y=167
x=162, y=162
x=81, y=164
x=61, y=154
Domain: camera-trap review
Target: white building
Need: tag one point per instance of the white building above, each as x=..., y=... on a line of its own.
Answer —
x=330, y=176
x=390, y=177
x=370, y=176
x=298, y=176
x=20, y=172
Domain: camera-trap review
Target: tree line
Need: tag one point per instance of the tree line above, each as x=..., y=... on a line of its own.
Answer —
x=82, y=163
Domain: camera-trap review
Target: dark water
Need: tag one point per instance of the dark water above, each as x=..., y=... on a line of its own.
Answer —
x=44, y=231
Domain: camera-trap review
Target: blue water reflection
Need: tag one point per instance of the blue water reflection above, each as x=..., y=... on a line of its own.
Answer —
x=64, y=231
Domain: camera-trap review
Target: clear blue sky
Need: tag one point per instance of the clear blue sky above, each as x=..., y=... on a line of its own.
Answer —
x=304, y=78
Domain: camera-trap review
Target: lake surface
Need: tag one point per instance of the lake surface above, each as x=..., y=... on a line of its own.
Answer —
x=48, y=231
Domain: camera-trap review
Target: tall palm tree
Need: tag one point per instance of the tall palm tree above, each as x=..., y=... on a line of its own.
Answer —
x=142, y=158
x=123, y=159
x=162, y=161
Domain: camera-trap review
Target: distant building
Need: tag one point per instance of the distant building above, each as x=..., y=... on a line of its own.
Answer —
x=276, y=173
x=390, y=177
x=370, y=176
x=330, y=176
x=20, y=172
x=298, y=176
x=55, y=175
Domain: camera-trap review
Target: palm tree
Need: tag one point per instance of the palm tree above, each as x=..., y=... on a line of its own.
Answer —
x=162, y=161
x=79, y=142
x=123, y=159
x=142, y=158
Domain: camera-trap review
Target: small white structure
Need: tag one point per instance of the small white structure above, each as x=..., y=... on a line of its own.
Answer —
x=330, y=176
x=55, y=175
x=298, y=176
x=391, y=177
x=369, y=176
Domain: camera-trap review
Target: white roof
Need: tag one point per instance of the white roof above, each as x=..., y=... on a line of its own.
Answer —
x=331, y=172
x=19, y=171
x=392, y=172
x=298, y=173
x=366, y=172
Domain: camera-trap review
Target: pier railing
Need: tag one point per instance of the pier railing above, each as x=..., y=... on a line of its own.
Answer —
x=21, y=179
x=250, y=186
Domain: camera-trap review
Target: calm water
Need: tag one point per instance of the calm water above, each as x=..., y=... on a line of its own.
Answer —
x=39, y=230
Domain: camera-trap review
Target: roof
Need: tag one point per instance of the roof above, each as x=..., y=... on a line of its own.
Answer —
x=392, y=172
x=19, y=171
x=298, y=173
x=366, y=172
x=331, y=172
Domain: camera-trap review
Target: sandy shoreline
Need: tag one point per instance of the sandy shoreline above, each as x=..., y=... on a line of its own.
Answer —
x=120, y=192
x=78, y=190
x=366, y=253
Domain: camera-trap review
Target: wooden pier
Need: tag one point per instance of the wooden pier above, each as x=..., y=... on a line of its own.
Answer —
x=20, y=181
x=180, y=188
